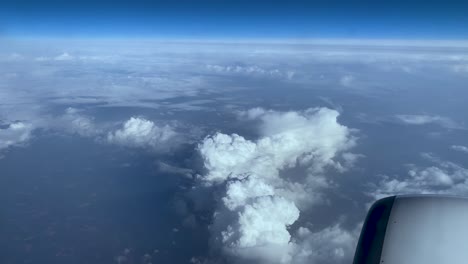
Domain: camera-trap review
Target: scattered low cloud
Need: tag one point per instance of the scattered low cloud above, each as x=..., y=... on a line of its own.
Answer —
x=64, y=57
x=15, y=134
x=347, y=161
x=260, y=202
x=347, y=80
x=135, y=132
x=460, y=148
x=67, y=57
x=77, y=123
x=139, y=132
x=443, y=177
x=333, y=244
x=429, y=119
x=251, y=70
x=168, y=168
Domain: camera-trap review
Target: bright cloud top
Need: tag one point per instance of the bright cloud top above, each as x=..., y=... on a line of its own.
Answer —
x=15, y=134
x=260, y=202
x=139, y=132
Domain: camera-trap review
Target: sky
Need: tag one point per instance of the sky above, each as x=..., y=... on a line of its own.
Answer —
x=235, y=19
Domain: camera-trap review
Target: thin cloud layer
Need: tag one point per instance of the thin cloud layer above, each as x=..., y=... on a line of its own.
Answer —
x=139, y=132
x=428, y=119
x=110, y=73
x=418, y=119
x=251, y=70
x=260, y=202
x=76, y=123
x=347, y=80
x=460, y=148
x=461, y=68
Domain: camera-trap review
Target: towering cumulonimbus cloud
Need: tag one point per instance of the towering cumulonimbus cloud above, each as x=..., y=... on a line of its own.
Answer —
x=139, y=132
x=259, y=201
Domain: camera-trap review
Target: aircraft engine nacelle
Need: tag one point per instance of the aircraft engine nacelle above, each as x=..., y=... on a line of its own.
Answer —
x=424, y=229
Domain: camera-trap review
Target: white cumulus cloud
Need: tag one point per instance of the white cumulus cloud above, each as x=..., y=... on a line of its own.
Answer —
x=287, y=138
x=260, y=202
x=139, y=132
x=262, y=221
x=15, y=134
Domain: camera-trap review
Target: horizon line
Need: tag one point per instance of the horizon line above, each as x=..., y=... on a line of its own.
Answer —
x=421, y=42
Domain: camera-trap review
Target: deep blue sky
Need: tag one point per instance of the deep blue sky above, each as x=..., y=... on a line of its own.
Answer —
x=236, y=19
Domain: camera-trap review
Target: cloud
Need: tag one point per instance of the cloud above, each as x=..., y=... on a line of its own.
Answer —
x=168, y=168
x=252, y=70
x=110, y=72
x=15, y=57
x=75, y=122
x=443, y=178
x=347, y=161
x=428, y=119
x=253, y=113
x=285, y=164
x=418, y=119
x=459, y=148
x=333, y=244
x=72, y=121
x=347, y=80
x=461, y=68
x=64, y=57
x=259, y=201
x=288, y=138
x=139, y=132
x=15, y=134
x=262, y=222
x=135, y=132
